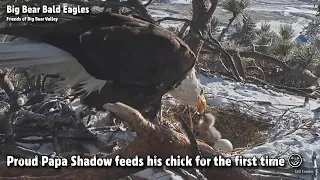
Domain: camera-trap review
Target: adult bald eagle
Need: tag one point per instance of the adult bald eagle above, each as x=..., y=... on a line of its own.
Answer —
x=108, y=58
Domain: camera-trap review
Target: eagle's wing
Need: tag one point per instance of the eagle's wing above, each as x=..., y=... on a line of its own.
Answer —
x=116, y=47
x=136, y=53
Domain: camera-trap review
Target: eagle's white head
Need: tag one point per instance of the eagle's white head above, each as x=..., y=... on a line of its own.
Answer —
x=190, y=91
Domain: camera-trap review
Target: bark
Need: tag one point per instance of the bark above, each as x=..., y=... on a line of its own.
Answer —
x=201, y=20
x=225, y=30
x=202, y=16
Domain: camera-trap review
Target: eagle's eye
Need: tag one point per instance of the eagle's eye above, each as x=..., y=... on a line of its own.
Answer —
x=201, y=92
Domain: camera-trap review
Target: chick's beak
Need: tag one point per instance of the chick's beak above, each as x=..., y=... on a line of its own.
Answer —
x=202, y=104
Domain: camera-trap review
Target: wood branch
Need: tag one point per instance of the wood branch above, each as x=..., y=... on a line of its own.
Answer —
x=148, y=3
x=256, y=56
x=183, y=29
x=6, y=84
x=28, y=78
x=261, y=56
x=140, y=8
x=151, y=139
x=225, y=30
x=261, y=45
x=197, y=52
x=201, y=23
x=301, y=74
x=172, y=19
x=238, y=64
x=18, y=152
x=214, y=4
x=257, y=69
x=202, y=16
x=8, y=87
x=227, y=56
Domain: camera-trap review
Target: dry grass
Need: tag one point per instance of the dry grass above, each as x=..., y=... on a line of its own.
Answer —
x=241, y=129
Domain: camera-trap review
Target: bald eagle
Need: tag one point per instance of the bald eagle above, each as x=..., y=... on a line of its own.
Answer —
x=108, y=58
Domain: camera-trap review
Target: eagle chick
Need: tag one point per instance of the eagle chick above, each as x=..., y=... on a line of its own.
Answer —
x=207, y=132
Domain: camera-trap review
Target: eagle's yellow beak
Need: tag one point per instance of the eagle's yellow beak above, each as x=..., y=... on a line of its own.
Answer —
x=202, y=104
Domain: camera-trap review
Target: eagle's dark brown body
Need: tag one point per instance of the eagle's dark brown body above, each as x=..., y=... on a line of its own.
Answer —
x=137, y=57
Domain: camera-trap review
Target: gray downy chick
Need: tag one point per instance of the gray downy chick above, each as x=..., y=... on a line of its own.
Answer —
x=207, y=132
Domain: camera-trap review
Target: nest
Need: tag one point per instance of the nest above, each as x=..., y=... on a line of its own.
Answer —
x=241, y=129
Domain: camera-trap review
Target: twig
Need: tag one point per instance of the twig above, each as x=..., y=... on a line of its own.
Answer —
x=224, y=52
x=148, y=3
x=284, y=152
x=183, y=29
x=173, y=19
x=183, y=173
x=18, y=151
x=315, y=167
x=262, y=45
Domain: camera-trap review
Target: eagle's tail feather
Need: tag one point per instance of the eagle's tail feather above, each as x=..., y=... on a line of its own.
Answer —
x=30, y=53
